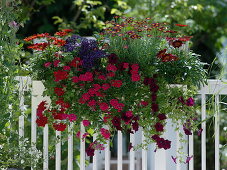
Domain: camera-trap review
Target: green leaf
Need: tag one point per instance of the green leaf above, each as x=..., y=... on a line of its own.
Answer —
x=91, y=131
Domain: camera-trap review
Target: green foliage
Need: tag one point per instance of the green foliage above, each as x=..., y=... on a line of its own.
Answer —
x=18, y=156
x=9, y=60
x=206, y=19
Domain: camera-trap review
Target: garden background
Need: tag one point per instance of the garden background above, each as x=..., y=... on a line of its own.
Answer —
x=206, y=20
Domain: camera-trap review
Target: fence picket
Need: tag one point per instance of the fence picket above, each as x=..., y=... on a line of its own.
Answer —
x=107, y=156
x=70, y=147
x=95, y=156
x=82, y=148
x=144, y=154
x=119, y=150
x=45, y=147
x=132, y=152
x=214, y=87
x=58, y=151
x=191, y=151
x=217, y=132
x=203, y=143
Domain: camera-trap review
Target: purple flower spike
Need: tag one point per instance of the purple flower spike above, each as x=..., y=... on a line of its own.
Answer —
x=188, y=159
x=174, y=159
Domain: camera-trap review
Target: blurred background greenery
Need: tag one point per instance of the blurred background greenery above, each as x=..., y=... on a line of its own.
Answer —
x=206, y=20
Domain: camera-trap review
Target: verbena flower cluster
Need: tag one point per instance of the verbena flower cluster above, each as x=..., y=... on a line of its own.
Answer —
x=123, y=80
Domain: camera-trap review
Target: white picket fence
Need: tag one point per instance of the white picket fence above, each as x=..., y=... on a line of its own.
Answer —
x=145, y=160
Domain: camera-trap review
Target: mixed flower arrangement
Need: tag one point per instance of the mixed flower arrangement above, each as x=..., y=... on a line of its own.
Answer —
x=122, y=80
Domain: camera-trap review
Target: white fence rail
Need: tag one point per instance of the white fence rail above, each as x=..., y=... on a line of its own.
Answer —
x=145, y=159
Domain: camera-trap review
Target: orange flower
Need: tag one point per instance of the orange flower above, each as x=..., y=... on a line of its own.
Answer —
x=181, y=25
x=38, y=46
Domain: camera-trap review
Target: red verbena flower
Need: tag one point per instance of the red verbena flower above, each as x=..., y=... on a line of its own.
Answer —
x=60, y=75
x=105, y=86
x=104, y=106
x=111, y=67
x=59, y=91
x=59, y=126
x=41, y=121
x=116, y=83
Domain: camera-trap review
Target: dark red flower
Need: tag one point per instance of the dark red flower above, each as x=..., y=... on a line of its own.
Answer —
x=187, y=130
x=41, y=121
x=90, y=151
x=162, y=143
x=190, y=101
x=154, y=88
x=104, y=106
x=116, y=122
x=181, y=99
x=130, y=146
x=105, y=86
x=161, y=53
x=153, y=97
x=60, y=75
x=161, y=116
x=169, y=57
x=154, y=107
x=113, y=58
x=135, y=126
x=155, y=137
x=59, y=91
x=159, y=127
x=177, y=43
x=116, y=83
x=59, y=126
x=144, y=103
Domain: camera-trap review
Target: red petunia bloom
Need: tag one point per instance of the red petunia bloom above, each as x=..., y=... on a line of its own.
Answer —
x=86, y=123
x=59, y=126
x=72, y=117
x=116, y=83
x=60, y=75
x=159, y=127
x=105, y=133
x=59, y=91
x=161, y=116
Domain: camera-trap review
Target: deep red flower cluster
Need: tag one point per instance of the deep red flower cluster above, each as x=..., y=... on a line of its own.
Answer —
x=41, y=119
x=166, y=57
x=161, y=142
